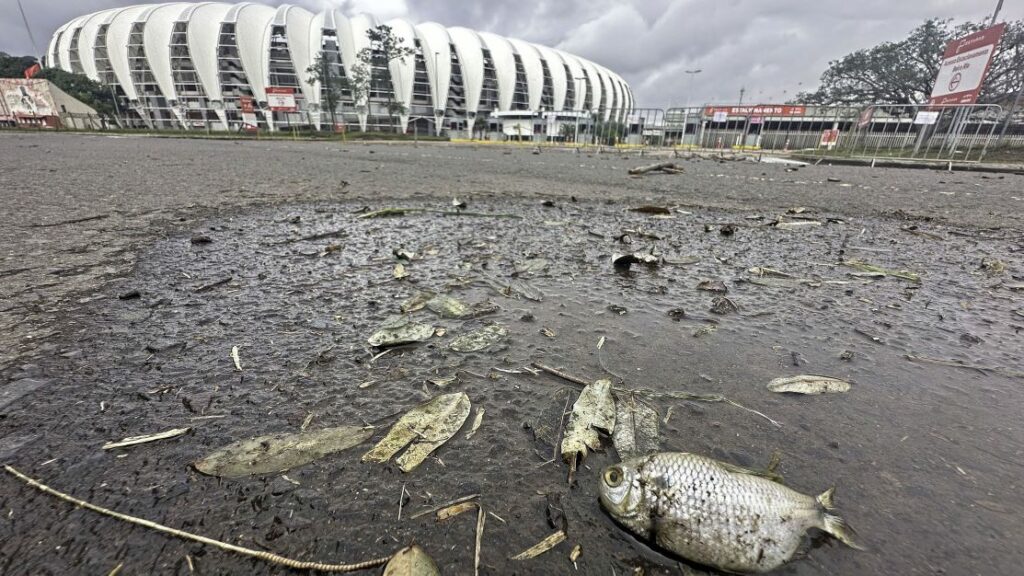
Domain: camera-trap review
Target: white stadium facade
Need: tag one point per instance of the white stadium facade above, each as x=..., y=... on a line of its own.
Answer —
x=196, y=66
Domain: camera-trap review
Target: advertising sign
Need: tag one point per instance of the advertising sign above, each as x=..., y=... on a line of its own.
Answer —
x=26, y=98
x=759, y=110
x=281, y=99
x=964, y=65
x=245, y=102
x=720, y=117
x=926, y=117
x=829, y=138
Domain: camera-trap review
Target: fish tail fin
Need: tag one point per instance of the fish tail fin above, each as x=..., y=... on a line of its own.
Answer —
x=842, y=531
x=825, y=498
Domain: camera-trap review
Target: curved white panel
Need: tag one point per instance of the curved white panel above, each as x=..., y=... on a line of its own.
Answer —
x=52, y=60
x=156, y=39
x=606, y=84
x=559, y=83
x=117, y=47
x=297, y=22
x=504, y=68
x=437, y=55
x=252, y=33
x=64, y=46
x=471, y=60
x=403, y=72
x=204, y=24
x=530, y=58
x=575, y=71
x=596, y=87
x=87, y=42
x=315, y=44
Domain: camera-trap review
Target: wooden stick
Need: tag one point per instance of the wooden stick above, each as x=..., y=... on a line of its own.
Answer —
x=663, y=166
x=265, y=556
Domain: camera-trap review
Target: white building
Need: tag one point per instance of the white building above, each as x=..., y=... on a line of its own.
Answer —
x=192, y=65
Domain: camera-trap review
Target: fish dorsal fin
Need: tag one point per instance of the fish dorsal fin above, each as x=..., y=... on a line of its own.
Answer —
x=768, y=473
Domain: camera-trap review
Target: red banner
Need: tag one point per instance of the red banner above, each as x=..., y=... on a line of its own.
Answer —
x=964, y=67
x=32, y=71
x=245, y=102
x=758, y=110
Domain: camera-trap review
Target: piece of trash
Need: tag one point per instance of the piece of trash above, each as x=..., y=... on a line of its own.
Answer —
x=624, y=261
x=704, y=330
x=443, y=382
x=400, y=272
x=458, y=204
x=716, y=286
x=636, y=428
x=279, y=452
x=809, y=384
x=411, y=561
x=798, y=225
x=237, y=360
x=861, y=266
x=593, y=410
x=478, y=419
x=722, y=305
x=831, y=179
x=600, y=343
x=728, y=499
x=547, y=332
x=542, y=546
x=653, y=210
x=677, y=314
x=134, y=440
x=400, y=330
x=763, y=272
x=577, y=551
x=479, y=339
x=424, y=429
x=417, y=301
x=403, y=254
x=616, y=309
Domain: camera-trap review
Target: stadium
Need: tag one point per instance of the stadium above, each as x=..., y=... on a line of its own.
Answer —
x=216, y=66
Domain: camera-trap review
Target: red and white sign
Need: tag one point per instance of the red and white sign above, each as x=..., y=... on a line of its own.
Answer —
x=759, y=110
x=829, y=138
x=964, y=65
x=280, y=99
x=245, y=103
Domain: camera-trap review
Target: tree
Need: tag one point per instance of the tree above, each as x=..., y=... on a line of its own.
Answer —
x=903, y=72
x=15, y=66
x=387, y=47
x=322, y=72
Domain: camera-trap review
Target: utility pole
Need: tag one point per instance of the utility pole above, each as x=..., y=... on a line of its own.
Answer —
x=28, y=29
x=686, y=109
x=999, y=6
x=578, y=105
x=743, y=91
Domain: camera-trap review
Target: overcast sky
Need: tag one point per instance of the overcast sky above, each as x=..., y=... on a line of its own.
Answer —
x=773, y=48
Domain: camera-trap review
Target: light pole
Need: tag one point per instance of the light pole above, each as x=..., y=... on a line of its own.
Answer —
x=578, y=80
x=686, y=107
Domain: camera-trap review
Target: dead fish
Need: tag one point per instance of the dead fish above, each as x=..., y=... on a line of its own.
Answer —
x=809, y=384
x=715, y=513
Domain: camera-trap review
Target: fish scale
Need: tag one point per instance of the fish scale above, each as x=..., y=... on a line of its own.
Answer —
x=714, y=513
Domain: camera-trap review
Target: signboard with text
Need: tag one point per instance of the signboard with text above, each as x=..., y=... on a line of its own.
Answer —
x=245, y=103
x=964, y=65
x=280, y=99
x=759, y=110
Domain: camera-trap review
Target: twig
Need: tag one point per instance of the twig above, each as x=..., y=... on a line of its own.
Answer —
x=401, y=500
x=984, y=370
x=436, y=508
x=74, y=221
x=403, y=211
x=262, y=555
x=655, y=394
x=213, y=285
x=480, y=520
x=133, y=440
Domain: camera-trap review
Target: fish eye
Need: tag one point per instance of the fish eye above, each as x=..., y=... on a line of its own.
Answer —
x=613, y=477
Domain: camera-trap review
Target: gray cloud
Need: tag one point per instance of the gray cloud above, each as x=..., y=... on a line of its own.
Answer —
x=773, y=49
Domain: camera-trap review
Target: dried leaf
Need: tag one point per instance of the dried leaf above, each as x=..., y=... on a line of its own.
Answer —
x=577, y=551
x=279, y=452
x=400, y=330
x=594, y=409
x=424, y=429
x=448, y=307
x=716, y=286
x=416, y=302
x=455, y=509
x=636, y=428
x=531, y=266
x=477, y=420
x=809, y=384
x=133, y=440
x=479, y=339
x=400, y=271
x=870, y=268
x=234, y=356
x=542, y=546
x=411, y=561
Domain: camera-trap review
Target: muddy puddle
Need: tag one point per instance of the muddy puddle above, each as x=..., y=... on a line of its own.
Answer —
x=926, y=456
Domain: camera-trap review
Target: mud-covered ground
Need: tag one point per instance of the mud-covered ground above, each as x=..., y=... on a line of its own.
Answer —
x=115, y=323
